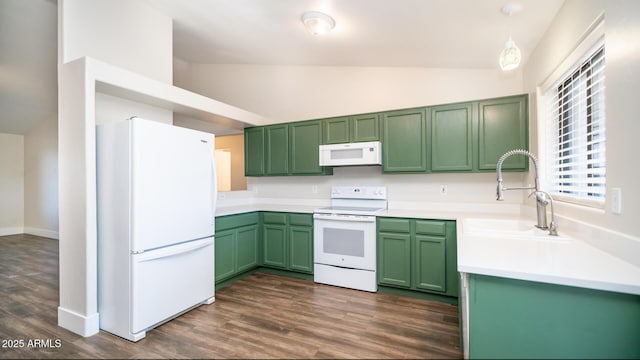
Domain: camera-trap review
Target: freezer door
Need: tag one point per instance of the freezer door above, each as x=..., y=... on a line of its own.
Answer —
x=167, y=281
x=173, y=184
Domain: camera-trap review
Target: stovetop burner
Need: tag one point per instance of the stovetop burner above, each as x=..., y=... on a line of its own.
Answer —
x=356, y=200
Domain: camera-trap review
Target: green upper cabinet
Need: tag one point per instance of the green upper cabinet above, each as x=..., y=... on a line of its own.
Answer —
x=451, y=137
x=463, y=137
x=304, y=139
x=254, y=150
x=357, y=128
x=365, y=127
x=336, y=130
x=502, y=126
x=277, y=149
x=404, y=141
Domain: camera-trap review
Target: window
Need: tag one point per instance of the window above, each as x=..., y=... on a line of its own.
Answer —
x=575, y=106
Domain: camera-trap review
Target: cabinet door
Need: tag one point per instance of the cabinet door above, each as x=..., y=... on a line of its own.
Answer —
x=305, y=138
x=430, y=270
x=301, y=248
x=254, y=149
x=502, y=126
x=275, y=245
x=277, y=153
x=246, y=248
x=394, y=259
x=336, y=130
x=404, y=147
x=452, y=138
x=224, y=254
x=365, y=127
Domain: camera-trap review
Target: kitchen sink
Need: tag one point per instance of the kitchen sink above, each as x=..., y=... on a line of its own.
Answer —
x=506, y=228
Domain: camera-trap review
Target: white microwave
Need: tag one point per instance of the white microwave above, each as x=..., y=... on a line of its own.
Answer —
x=360, y=153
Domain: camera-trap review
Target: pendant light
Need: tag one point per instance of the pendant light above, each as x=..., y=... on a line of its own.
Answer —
x=318, y=23
x=510, y=56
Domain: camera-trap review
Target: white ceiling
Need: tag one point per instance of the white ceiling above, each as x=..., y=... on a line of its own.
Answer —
x=428, y=33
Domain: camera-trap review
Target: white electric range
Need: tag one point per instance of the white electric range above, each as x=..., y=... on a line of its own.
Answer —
x=345, y=237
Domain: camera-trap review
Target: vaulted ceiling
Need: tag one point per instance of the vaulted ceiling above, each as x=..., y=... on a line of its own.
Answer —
x=423, y=33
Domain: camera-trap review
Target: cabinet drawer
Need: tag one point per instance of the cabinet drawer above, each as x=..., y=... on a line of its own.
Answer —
x=394, y=225
x=274, y=218
x=234, y=221
x=301, y=219
x=430, y=227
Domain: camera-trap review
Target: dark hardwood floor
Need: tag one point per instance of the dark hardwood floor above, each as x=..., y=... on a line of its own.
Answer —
x=260, y=316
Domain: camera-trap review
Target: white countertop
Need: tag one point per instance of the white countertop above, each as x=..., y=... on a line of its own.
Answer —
x=563, y=261
x=572, y=261
x=239, y=209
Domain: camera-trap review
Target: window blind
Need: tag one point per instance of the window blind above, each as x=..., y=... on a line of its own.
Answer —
x=575, y=106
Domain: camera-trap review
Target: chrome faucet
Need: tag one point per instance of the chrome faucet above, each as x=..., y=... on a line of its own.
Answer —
x=542, y=197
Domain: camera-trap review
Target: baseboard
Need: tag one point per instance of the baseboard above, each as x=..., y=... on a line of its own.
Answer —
x=42, y=232
x=11, y=230
x=79, y=324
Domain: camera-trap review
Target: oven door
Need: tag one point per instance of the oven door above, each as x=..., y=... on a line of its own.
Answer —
x=345, y=240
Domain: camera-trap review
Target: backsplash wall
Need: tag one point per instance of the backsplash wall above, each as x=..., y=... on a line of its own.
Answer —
x=419, y=188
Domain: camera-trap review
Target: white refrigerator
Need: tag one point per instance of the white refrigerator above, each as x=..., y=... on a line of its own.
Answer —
x=156, y=194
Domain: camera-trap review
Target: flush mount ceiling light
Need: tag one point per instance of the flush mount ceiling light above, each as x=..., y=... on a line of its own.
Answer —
x=510, y=56
x=318, y=23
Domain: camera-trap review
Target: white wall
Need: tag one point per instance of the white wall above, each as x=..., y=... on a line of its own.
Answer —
x=11, y=184
x=622, y=54
x=129, y=34
x=126, y=33
x=41, y=179
x=291, y=93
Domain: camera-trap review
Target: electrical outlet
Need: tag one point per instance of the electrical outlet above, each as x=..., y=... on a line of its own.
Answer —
x=616, y=200
x=443, y=190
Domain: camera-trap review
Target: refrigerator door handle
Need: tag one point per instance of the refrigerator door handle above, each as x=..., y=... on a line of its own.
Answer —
x=214, y=188
x=171, y=250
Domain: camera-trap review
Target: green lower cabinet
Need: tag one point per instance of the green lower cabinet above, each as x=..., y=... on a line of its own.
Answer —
x=224, y=250
x=430, y=263
x=418, y=255
x=300, y=248
x=288, y=241
x=393, y=252
x=524, y=319
x=236, y=245
x=275, y=244
x=246, y=248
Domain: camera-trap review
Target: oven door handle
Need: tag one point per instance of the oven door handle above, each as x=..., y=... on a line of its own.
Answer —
x=344, y=218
